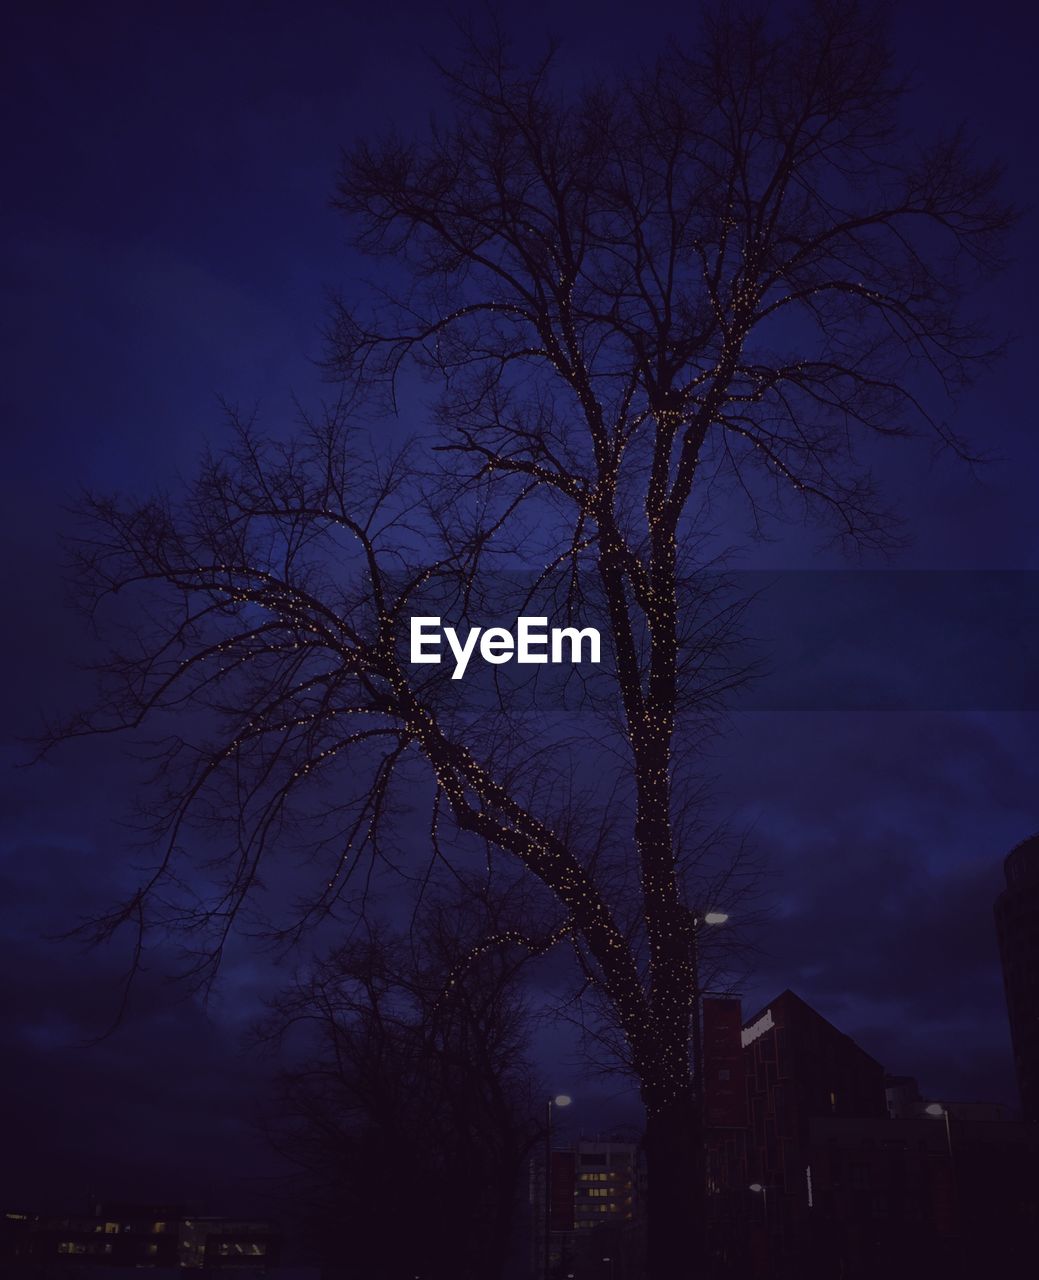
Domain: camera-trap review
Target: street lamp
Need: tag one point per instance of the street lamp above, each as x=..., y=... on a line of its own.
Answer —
x=696, y=922
x=761, y=1190
x=560, y=1100
x=610, y=1261
x=710, y=918
x=936, y=1109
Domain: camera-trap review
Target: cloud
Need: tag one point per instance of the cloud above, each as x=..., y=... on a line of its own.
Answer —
x=885, y=835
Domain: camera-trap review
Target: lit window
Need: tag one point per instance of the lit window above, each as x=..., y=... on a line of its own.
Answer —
x=238, y=1248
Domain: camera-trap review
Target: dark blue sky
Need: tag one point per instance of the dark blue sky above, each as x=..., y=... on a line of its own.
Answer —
x=168, y=239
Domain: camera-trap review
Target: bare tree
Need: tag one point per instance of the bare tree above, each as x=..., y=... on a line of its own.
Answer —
x=409, y=1106
x=722, y=276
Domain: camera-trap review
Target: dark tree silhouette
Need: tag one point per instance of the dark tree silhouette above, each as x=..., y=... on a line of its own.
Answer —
x=410, y=1108
x=722, y=277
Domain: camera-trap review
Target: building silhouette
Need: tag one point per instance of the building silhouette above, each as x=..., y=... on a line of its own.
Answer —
x=1017, y=926
x=799, y=1069
x=839, y=1170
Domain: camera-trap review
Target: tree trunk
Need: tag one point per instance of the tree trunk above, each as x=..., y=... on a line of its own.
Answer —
x=675, y=1229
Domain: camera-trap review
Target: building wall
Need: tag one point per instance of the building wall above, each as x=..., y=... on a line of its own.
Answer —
x=798, y=1067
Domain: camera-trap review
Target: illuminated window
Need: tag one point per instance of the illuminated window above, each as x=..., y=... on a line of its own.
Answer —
x=158, y=1228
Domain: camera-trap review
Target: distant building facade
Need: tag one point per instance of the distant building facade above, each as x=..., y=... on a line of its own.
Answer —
x=595, y=1216
x=1017, y=927
x=128, y=1235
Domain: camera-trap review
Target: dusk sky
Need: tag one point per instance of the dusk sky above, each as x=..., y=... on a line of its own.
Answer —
x=168, y=241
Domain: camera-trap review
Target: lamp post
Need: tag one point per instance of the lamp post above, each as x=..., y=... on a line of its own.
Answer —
x=936, y=1109
x=560, y=1100
x=708, y=918
x=699, y=1110
x=761, y=1190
